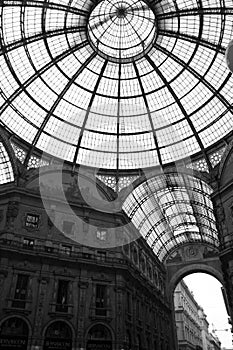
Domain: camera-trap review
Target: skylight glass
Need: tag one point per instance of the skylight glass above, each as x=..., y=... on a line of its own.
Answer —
x=116, y=84
x=6, y=171
x=171, y=210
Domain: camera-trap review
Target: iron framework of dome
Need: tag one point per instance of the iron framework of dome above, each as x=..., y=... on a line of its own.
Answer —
x=116, y=84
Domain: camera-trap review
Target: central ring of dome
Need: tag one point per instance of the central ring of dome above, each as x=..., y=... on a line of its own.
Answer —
x=122, y=31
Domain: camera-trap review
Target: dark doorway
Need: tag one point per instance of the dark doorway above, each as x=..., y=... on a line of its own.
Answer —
x=14, y=334
x=99, y=338
x=58, y=336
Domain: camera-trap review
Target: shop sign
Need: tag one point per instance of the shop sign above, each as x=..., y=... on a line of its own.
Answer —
x=57, y=344
x=99, y=345
x=13, y=342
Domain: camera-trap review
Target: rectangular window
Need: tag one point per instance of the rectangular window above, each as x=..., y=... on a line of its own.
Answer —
x=62, y=296
x=101, y=256
x=28, y=243
x=49, y=247
x=20, y=291
x=66, y=250
x=32, y=220
x=101, y=299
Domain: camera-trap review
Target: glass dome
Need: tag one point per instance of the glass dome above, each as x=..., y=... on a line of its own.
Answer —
x=116, y=84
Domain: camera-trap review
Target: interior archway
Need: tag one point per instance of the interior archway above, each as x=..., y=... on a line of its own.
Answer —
x=58, y=335
x=99, y=335
x=14, y=333
x=200, y=310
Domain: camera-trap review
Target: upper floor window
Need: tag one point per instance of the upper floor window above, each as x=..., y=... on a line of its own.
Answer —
x=101, y=299
x=32, y=220
x=62, y=296
x=28, y=243
x=66, y=249
x=20, y=291
x=101, y=256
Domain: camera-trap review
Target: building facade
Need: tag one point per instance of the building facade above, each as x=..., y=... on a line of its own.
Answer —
x=215, y=344
x=188, y=323
x=209, y=341
x=191, y=322
x=57, y=294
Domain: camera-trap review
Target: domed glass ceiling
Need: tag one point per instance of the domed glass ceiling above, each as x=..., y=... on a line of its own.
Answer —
x=116, y=84
x=6, y=171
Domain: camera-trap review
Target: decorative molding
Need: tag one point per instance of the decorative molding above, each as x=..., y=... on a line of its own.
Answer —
x=192, y=252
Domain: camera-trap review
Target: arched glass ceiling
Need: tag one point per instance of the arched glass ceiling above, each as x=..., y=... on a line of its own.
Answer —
x=6, y=170
x=116, y=84
x=171, y=210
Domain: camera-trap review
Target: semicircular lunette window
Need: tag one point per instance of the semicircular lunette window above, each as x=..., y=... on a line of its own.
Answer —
x=6, y=170
x=172, y=210
x=116, y=84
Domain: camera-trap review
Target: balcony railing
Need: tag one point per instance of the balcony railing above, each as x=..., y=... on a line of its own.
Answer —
x=40, y=248
x=65, y=309
x=54, y=251
x=21, y=305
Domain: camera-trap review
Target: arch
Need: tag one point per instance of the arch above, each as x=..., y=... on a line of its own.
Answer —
x=99, y=334
x=192, y=268
x=58, y=333
x=14, y=333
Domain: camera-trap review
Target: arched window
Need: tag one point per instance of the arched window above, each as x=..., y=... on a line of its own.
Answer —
x=14, y=334
x=58, y=336
x=99, y=335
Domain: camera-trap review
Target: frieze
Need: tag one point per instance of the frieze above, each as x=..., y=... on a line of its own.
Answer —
x=192, y=252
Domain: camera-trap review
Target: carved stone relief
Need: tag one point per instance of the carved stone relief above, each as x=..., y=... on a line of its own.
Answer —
x=192, y=252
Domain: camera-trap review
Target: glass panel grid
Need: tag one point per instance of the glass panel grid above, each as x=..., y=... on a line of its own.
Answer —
x=172, y=209
x=129, y=75
x=6, y=170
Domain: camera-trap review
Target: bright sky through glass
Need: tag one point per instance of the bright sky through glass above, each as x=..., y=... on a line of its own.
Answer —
x=122, y=31
x=92, y=97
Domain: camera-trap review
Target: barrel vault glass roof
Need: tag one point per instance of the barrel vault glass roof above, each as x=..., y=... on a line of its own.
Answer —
x=116, y=84
x=172, y=210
